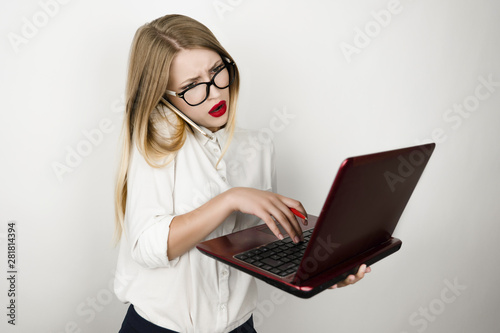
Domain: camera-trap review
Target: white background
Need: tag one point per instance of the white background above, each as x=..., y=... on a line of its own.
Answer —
x=69, y=75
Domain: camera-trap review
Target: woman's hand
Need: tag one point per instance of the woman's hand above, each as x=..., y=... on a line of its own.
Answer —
x=269, y=207
x=352, y=279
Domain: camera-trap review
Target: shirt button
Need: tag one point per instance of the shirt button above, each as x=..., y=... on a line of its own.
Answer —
x=224, y=178
x=224, y=273
x=223, y=307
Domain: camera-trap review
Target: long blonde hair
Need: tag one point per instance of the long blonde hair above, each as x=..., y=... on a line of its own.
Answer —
x=154, y=46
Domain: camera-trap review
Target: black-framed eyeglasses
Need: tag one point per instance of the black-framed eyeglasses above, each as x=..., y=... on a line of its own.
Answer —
x=198, y=93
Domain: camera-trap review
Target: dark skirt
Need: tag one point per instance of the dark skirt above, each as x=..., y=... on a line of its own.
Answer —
x=134, y=323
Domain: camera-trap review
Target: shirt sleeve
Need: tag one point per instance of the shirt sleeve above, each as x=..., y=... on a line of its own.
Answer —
x=149, y=211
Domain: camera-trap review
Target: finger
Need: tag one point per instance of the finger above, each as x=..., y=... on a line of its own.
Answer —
x=300, y=215
x=302, y=210
x=292, y=203
x=351, y=279
x=290, y=217
x=348, y=281
x=271, y=223
x=361, y=272
x=285, y=223
x=295, y=231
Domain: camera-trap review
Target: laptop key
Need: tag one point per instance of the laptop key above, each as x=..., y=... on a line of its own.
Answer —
x=286, y=266
x=272, y=262
x=285, y=254
x=275, y=271
x=267, y=254
x=272, y=246
x=241, y=256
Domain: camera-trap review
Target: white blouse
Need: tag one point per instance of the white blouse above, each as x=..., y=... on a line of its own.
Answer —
x=191, y=293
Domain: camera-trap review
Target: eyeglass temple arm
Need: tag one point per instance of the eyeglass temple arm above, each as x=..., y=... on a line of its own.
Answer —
x=186, y=118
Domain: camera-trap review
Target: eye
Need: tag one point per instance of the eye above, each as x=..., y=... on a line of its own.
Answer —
x=217, y=68
x=189, y=86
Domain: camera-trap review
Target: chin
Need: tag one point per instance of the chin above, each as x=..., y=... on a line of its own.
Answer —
x=218, y=123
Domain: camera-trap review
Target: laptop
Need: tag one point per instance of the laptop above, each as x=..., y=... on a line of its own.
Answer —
x=354, y=227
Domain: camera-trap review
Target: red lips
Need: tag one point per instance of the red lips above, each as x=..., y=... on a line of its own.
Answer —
x=218, y=109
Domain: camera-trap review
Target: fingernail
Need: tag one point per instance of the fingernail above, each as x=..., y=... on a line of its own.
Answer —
x=297, y=239
x=280, y=236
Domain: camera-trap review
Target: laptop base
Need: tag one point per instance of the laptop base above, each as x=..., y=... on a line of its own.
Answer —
x=300, y=286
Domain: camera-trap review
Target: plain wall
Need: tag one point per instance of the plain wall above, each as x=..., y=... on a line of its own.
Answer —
x=325, y=79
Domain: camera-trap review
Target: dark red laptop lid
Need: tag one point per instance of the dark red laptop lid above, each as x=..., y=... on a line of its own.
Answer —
x=363, y=206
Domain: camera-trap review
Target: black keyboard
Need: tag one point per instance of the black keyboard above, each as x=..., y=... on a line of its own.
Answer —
x=281, y=257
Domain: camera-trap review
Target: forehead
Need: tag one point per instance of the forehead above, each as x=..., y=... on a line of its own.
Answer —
x=191, y=63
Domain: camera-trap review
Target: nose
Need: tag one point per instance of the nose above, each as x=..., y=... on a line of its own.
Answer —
x=213, y=92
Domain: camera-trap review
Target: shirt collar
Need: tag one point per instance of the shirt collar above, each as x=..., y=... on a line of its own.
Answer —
x=220, y=136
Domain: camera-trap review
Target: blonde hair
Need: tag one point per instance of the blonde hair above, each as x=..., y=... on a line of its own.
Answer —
x=154, y=46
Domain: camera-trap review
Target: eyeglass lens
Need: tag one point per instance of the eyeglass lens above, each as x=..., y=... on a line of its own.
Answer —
x=199, y=93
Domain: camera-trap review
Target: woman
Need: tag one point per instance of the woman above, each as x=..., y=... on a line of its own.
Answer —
x=184, y=178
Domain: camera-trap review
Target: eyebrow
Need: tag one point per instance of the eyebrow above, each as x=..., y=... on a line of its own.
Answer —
x=198, y=77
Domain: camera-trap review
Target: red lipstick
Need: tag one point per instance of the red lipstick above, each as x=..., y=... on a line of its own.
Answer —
x=218, y=109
